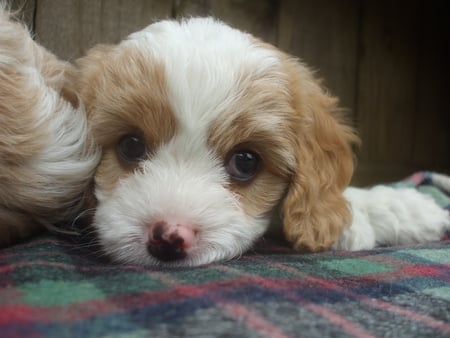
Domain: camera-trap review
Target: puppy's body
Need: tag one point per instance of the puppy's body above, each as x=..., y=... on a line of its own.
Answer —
x=46, y=159
x=205, y=131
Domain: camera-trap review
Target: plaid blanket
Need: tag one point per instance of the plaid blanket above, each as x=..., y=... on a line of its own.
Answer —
x=53, y=287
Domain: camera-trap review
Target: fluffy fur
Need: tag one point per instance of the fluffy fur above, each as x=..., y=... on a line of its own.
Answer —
x=386, y=216
x=197, y=91
x=46, y=158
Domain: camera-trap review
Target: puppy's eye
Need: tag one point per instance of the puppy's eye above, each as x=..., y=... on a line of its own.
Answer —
x=131, y=148
x=243, y=165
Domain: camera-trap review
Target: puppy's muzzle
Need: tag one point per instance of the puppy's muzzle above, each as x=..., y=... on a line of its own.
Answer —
x=169, y=242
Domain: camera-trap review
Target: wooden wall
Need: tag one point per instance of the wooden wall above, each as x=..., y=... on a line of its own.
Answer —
x=388, y=61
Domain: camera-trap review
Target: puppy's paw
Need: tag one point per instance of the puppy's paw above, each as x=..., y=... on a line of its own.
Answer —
x=418, y=218
x=387, y=216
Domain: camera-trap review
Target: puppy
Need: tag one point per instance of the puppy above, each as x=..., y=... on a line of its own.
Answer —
x=207, y=132
x=46, y=157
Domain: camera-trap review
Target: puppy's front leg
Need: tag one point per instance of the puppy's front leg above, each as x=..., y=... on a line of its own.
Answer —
x=384, y=216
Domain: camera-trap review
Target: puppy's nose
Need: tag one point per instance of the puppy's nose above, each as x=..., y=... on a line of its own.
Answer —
x=169, y=242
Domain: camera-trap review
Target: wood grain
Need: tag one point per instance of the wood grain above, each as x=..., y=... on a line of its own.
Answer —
x=70, y=27
x=387, y=89
x=324, y=34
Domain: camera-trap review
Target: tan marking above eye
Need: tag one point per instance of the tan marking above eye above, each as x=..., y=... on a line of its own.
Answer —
x=262, y=119
x=125, y=96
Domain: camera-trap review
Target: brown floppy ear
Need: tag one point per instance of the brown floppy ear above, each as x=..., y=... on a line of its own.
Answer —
x=314, y=210
x=80, y=80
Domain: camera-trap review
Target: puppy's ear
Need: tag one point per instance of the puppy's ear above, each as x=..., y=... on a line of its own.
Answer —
x=80, y=81
x=314, y=210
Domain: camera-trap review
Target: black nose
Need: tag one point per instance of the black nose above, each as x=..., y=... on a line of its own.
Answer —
x=166, y=250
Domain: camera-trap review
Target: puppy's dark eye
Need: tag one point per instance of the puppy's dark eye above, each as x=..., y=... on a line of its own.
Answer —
x=131, y=148
x=243, y=165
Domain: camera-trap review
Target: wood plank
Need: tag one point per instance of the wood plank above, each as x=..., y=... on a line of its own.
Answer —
x=324, y=33
x=256, y=17
x=432, y=120
x=70, y=27
x=387, y=80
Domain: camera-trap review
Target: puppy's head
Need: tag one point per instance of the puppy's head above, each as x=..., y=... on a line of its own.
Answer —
x=204, y=131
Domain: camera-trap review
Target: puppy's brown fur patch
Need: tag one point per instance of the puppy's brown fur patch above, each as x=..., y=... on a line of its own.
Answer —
x=125, y=95
x=314, y=211
x=260, y=120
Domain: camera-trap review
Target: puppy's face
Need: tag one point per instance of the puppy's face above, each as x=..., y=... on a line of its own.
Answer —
x=203, y=129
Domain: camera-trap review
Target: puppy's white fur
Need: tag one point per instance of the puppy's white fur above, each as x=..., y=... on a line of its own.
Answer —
x=46, y=157
x=183, y=86
x=384, y=216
